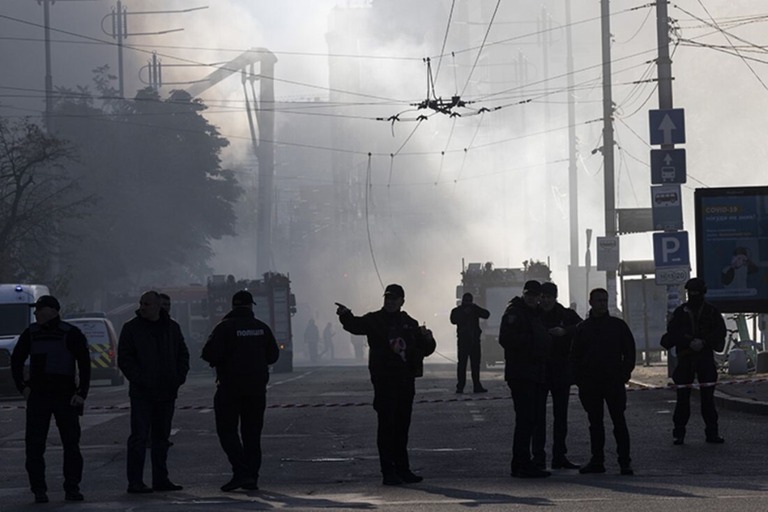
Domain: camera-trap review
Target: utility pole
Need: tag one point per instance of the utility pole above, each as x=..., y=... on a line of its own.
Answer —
x=48, y=76
x=608, y=163
x=573, y=189
x=119, y=16
x=664, y=73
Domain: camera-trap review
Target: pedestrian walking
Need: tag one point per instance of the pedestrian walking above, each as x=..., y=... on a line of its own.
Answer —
x=466, y=317
x=603, y=357
x=696, y=331
x=241, y=348
x=397, y=348
x=312, y=339
x=59, y=379
x=560, y=323
x=526, y=346
x=154, y=358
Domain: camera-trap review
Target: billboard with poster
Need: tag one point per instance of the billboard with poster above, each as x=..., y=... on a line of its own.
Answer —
x=732, y=246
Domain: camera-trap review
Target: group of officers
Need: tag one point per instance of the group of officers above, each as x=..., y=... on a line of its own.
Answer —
x=547, y=349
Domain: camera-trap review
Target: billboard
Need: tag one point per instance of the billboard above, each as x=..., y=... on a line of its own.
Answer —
x=732, y=246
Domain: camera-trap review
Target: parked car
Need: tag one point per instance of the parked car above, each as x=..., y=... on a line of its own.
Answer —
x=102, y=341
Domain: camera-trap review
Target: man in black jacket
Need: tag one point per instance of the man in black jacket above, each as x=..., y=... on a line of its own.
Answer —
x=466, y=317
x=526, y=348
x=153, y=357
x=241, y=348
x=398, y=347
x=560, y=323
x=54, y=348
x=603, y=356
x=696, y=330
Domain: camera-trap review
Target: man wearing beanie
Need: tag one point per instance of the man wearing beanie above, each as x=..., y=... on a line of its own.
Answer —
x=696, y=330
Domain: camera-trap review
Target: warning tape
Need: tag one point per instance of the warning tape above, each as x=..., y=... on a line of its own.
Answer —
x=643, y=387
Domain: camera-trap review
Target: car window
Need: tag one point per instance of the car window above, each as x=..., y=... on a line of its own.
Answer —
x=94, y=330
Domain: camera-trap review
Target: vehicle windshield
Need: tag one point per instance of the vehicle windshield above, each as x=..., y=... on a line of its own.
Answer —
x=14, y=318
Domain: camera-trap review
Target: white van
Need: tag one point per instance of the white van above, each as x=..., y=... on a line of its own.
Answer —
x=15, y=316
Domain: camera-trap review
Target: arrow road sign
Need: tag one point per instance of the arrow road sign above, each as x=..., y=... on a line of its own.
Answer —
x=667, y=126
x=667, y=166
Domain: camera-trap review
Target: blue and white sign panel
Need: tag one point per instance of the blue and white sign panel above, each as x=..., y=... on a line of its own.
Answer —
x=667, y=166
x=667, y=126
x=671, y=249
x=666, y=207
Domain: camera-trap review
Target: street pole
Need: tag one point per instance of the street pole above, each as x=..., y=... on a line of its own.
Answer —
x=573, y=208
x=266, y=159
x=48, y=76
x=120, y=30
x=664, y=72
x=608, y=163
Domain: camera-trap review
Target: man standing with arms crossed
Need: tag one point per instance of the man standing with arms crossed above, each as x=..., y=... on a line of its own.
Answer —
x=241, y=348
x=466, y=317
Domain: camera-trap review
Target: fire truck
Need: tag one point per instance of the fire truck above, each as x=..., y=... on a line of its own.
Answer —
x=275, y=305
x=492, y=289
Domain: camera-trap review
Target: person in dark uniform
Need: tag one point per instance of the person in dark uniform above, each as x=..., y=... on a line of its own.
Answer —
x=603, y=357
x=57, y=351
x=241, y=348
x=466, y=317
x=153, y=357
x=561, y=324
x=696, y=330
x=526, y=348
x=397, y=348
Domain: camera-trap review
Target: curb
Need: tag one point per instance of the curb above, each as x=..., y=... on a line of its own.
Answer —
x=723, y=400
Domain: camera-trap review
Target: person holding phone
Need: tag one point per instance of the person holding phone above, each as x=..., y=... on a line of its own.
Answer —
x=398, y=346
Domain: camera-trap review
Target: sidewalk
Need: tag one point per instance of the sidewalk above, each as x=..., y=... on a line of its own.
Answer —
x=744, y=393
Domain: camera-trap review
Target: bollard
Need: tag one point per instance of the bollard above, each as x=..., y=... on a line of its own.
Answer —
x=737, y=362
x=762, y=362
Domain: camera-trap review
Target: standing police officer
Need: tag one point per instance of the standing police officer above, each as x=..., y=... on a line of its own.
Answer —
x=526, y=347
x=696, y=330
x=241, y=348
x=466, y=317
x=398, y=347
x=54, y=348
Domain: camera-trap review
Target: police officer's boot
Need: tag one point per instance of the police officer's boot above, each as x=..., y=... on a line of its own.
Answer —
x=678, y=435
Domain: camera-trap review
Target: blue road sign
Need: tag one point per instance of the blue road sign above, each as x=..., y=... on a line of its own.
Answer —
x=666, y=207
x=667, y=166
x=667, y=126
x=671, y=249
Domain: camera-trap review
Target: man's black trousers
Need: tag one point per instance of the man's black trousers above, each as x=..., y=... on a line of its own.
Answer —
x=40, y=408
x=530, y=400
x=235, y=410
x=468, y=351
x=393, y=402
x=614, y=395
x=155, y=416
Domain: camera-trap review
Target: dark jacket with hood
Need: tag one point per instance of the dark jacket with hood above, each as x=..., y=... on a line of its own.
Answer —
x=55, y=348
x=397, y=345
x=241, y=348
x=603, y=351
x=153, y=357
x=526, y=342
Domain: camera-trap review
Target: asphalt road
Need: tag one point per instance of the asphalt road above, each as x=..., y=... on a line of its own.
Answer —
x=320, y=454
